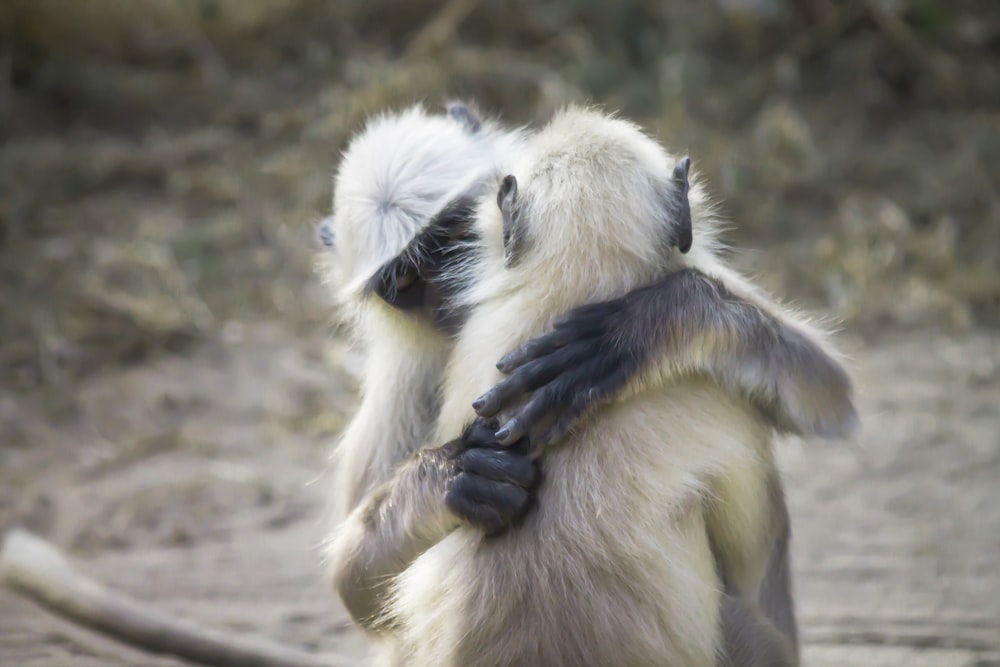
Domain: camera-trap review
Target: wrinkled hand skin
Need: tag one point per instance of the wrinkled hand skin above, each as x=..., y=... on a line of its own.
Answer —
x=569, y=370
x=491, y=486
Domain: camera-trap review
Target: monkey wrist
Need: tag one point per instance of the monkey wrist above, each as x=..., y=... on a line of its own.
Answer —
x=427, y=518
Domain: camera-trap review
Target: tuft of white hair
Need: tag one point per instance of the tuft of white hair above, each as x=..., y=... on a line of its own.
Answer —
x=395, y=174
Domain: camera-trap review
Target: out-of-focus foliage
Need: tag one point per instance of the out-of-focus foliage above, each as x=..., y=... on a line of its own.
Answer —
x=162, y=160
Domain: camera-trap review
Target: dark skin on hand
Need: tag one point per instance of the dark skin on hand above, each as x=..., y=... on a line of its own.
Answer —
x=567, y=371
x=491, y=485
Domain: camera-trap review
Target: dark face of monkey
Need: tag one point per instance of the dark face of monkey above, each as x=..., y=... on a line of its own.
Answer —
x=417, y=280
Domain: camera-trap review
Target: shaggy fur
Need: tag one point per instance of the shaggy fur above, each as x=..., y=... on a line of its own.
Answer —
x=615, y=566
x=395, y=176
x=597, y=213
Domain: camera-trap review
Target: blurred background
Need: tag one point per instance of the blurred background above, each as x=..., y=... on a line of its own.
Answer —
x=172, y=378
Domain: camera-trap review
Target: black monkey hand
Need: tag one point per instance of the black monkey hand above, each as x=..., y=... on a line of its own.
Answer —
x=491, y=486
x=585, y=360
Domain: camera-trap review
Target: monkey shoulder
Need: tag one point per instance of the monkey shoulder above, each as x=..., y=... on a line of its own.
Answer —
x=591, y=354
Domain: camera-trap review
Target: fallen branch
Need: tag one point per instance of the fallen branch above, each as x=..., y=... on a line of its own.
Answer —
x=36, y=570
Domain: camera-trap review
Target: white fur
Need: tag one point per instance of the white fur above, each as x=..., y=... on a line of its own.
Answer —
x=393, y=177
x=399, y=171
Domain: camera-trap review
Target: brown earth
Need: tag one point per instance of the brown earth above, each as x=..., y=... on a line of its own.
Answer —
x=213, y=509
x=171, y=381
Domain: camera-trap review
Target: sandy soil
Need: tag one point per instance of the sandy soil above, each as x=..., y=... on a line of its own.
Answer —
x=215, y=511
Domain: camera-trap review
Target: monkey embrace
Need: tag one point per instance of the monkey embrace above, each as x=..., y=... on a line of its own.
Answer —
x=564, y=451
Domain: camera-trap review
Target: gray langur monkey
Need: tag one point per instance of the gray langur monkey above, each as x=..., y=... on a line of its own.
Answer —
x=730, y=318
x=396, y=175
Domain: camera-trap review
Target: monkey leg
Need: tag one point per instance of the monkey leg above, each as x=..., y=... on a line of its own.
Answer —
x=750, y=639
x=758, y=608
x=776, y=597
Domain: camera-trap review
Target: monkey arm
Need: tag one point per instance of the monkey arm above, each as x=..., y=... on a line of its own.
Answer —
x=471, y=479
x=688, y=323
x=387, y=531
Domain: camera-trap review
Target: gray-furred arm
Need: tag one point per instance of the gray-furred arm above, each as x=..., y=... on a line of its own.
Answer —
x=471, y=480
x=688, y=323
x=388, y=530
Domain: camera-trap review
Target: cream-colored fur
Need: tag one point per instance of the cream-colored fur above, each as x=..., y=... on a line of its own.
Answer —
x=614, y=566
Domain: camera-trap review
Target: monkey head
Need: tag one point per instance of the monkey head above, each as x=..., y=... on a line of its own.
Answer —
x=593, y=196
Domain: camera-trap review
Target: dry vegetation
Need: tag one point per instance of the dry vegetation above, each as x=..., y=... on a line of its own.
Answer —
x=163, y=159
x=162, y=163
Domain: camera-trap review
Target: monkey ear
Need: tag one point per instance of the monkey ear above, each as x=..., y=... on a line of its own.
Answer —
x=507, y=201
x=326, y=233
x=464, y=115
x=681, y=206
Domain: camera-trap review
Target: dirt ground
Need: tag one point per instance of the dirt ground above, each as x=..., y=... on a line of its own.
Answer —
x=172, y=379
x=213, y=511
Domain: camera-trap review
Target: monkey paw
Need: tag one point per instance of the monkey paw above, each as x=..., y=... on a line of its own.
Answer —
x=492, y=485
x=579, y=364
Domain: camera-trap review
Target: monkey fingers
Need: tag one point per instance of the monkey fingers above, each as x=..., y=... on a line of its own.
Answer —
x=569, y=374
x=560, y=336
x=564, y=402
x=499, y=466
x=529, y=377
x=577, y=336
x=484, y=503
x=480, y=433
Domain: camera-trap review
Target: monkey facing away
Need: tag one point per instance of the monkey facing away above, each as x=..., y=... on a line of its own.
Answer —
x=513, y=241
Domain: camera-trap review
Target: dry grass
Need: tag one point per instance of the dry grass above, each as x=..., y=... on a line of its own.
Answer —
x=163, y=160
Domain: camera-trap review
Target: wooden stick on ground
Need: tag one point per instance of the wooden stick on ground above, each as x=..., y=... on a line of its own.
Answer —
x=36, y=570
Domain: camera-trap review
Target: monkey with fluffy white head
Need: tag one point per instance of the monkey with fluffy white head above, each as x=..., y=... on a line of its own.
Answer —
x=514, y=239
x=403, y=171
